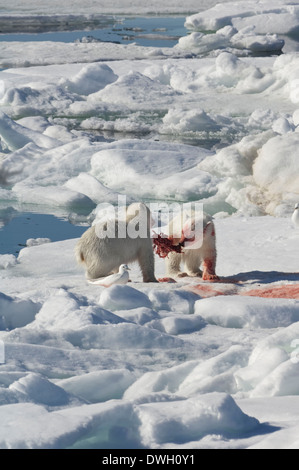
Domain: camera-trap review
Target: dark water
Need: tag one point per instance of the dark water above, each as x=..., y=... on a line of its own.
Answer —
x=150, y=31
x=22, y=226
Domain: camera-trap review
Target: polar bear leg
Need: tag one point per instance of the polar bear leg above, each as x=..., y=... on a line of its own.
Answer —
x=192, y=259
x=173, y=264
x=209, y=254
x=146, y=261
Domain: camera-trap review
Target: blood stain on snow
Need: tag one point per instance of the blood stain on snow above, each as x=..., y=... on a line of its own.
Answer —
x=290, y=291
x=166, y=279
x=209, y=290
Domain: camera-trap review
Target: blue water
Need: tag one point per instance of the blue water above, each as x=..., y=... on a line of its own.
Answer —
x=150, y=31
x=23, y=226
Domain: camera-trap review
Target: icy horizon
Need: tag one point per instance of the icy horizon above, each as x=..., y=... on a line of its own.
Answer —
x=89, y=7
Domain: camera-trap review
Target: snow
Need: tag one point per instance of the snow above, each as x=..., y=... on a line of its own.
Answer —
x=87, y=80
x=169, y=367
x=266, y=16
x=210, y=414
x=229, y=37
x=276, y=178
x=213, y=119
x=134, y=7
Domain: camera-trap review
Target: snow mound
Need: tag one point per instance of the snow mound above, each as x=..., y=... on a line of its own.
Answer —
x=133, y=89
x=98, y=386
x=90, y=79
x=53, y=196
x=279, y=17
x=227, y=38
x=51, y=430
x=193, y=377
x=251, y=312
x=180, y=324
x=125, y=335
x=282, y=381
x=139, y=315
x=64, y=311
x=37, y=241
x=16, y=312
x=133, y=425
x=174, y=300
x=37, y=389
x=273, y=365
x=163, y=171
x=7, y=260
x=178, y=120
x=16, y=136
x=119, y=297
x=92, y=188
x=175, y=422
x=277, y=167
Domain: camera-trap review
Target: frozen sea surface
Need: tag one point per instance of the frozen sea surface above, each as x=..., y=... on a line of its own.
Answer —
x=211, y=118
x=89, y=7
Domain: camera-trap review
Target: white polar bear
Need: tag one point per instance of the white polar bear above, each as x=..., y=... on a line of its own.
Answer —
x=129, y=239
x=197, y=252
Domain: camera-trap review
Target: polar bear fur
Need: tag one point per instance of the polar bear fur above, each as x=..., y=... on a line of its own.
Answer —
x=194, y=255
x=103, y=255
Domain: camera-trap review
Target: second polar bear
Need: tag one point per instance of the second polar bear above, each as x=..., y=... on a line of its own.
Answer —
x=199, y=251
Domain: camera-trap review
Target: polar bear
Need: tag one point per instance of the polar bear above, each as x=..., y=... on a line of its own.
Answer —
x=197, y=251
x=102, y=252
